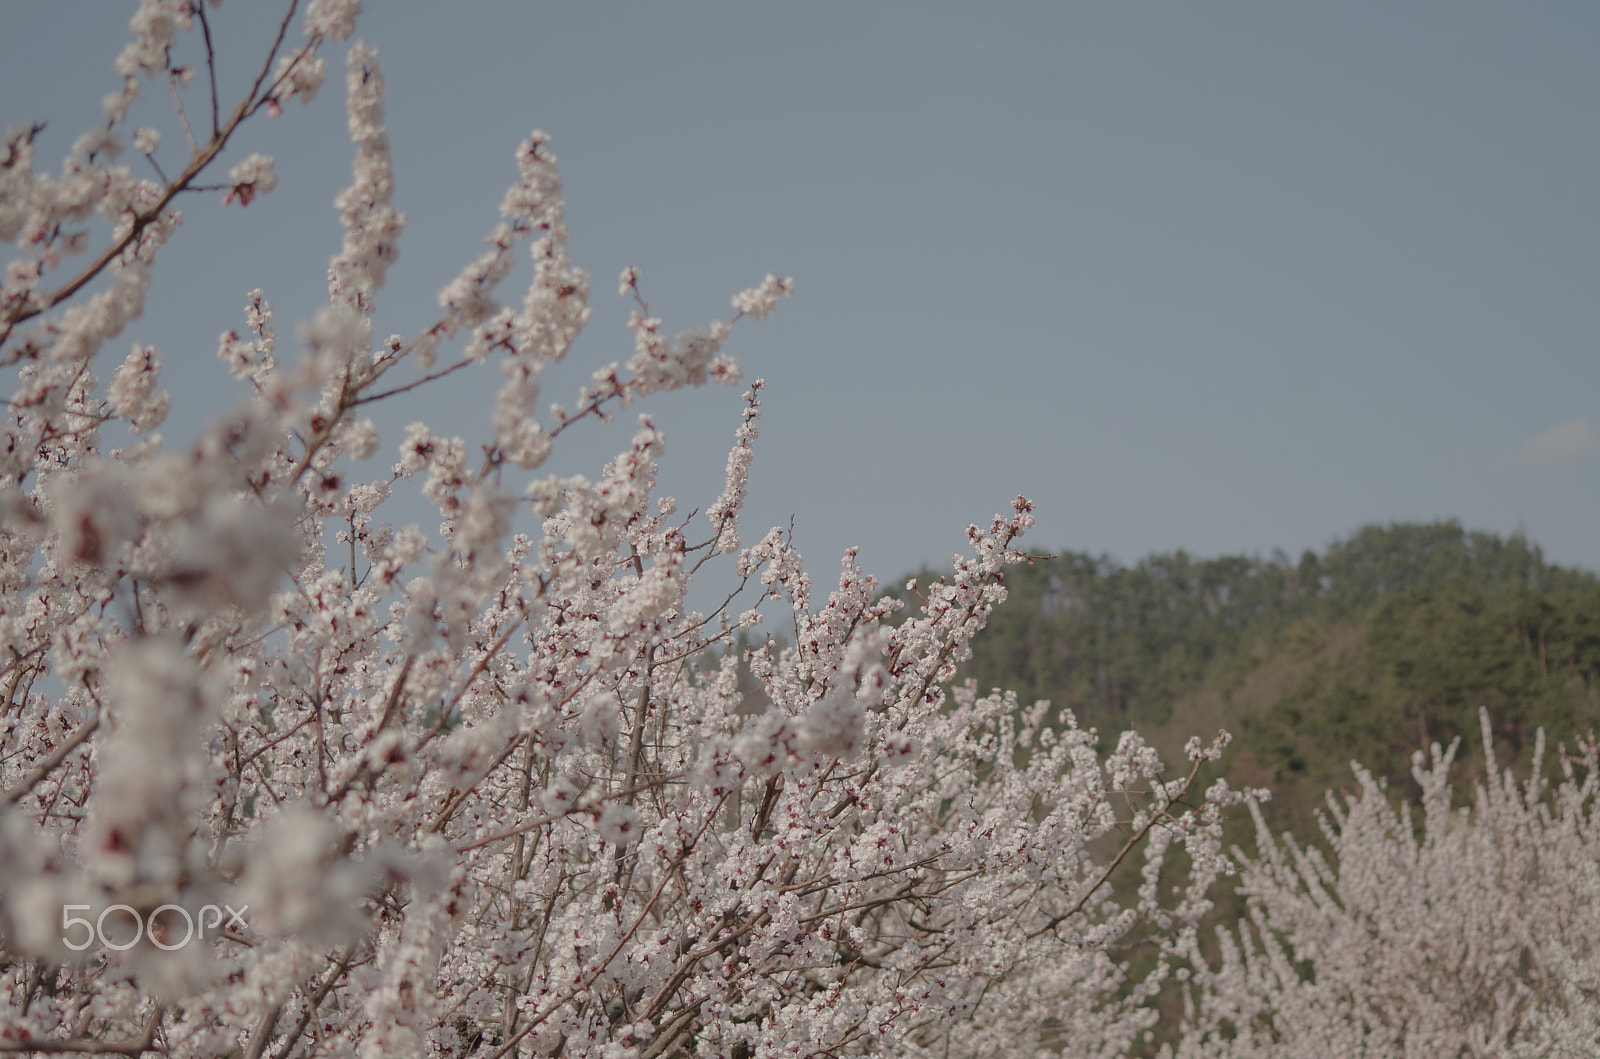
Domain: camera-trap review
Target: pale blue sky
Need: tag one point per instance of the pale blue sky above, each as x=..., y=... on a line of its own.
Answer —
x=1220, y=276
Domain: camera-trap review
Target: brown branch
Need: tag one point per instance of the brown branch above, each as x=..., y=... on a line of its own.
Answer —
x=203, y=157
x=269, y=1019
x=79, y=1044
x=211, y=68
x=441, y=373
x=1128, y=847
x=89, y=1044
x=363, y=770
x=45, y=767
x=338, y=971
x=460, y=795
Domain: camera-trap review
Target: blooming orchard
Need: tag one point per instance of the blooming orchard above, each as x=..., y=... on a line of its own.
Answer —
x=492, y=790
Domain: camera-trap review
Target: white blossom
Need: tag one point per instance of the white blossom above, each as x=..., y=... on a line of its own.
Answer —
x=372, y=226
x=497, y=789
x=132, y=394
x=251, y=177
x=758, y=302
x=332, y=18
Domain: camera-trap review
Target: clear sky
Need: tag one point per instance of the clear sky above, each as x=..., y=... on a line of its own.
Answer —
x=1219, y=276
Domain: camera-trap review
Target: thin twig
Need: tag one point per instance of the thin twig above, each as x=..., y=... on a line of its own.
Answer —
x=441, y=373
x=211, y=68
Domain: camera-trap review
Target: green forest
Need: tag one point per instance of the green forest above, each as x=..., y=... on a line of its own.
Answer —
x=1380, y=644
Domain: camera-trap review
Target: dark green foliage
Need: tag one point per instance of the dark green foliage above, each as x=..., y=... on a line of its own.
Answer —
x=1117, y=644
x=1432, y=656
x=1389, y=639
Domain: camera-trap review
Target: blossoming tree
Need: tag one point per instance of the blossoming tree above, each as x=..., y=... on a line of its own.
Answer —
x=1461, y=932
x=278, y=778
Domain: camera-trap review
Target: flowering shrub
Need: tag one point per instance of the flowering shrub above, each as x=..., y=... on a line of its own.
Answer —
x=1469, y=932
x=279, y=778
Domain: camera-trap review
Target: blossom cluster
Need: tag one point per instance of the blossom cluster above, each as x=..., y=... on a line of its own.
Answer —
x=499, y=790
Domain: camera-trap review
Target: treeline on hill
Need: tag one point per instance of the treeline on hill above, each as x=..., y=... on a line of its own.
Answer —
x=1386, y=641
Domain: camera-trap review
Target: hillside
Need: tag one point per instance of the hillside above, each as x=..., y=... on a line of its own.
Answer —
x=1383, y=642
